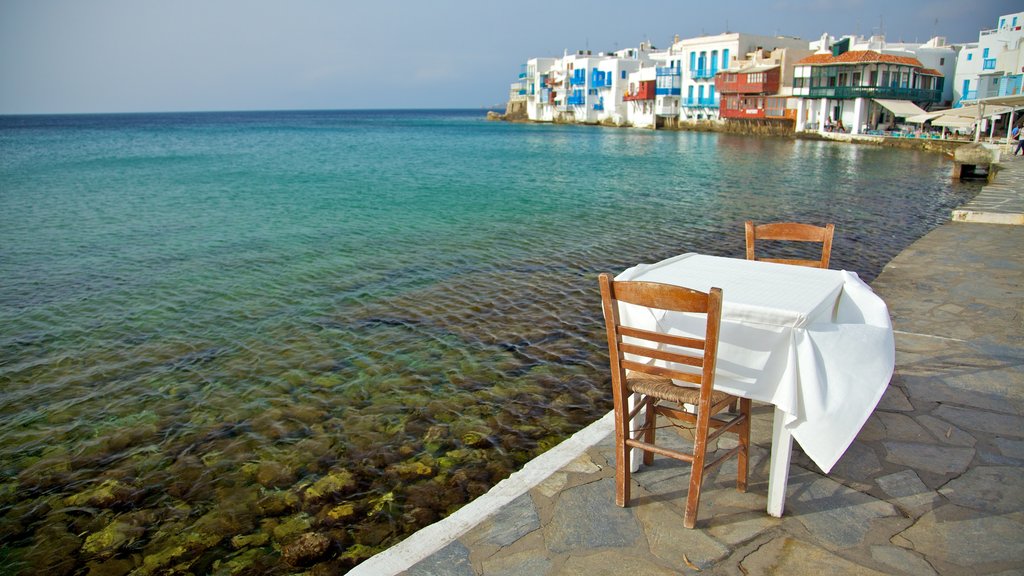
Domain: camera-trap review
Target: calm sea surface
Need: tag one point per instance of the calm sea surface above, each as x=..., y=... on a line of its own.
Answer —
x=220, y=332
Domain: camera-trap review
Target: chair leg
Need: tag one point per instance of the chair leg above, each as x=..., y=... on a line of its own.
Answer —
x=744, y=440
x=650, y=423
x=621, y=455
x=696, y=471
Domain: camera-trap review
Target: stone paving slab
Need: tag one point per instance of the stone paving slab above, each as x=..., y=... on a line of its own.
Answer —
x=933, y=484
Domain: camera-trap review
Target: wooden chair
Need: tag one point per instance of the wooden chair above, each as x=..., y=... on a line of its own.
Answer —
x=646, y=363
x=791, y=231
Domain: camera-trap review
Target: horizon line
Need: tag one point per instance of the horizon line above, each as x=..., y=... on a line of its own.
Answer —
x=251, y=110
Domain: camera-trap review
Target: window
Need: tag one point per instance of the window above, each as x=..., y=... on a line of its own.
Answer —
x=970, y=56
x=622, y=75
x=984, y=54
x=693, y=60
x=725, y=57
x=1002, y=22
x=942, y=61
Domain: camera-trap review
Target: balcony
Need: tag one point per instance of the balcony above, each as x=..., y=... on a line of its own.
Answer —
x=578, y=78
x=669, y=109
x=1011, y=85
x=644, y=92
x=700, y=102
x=576, y=100
x=600, y=79
x=668, y=91
x=740, y=83
x=989, y=64
x=703, y=73
x=668, y=71
x=851, y=92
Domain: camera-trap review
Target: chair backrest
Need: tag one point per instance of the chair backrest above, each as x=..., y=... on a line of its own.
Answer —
x=696, y=356
x=794, y=232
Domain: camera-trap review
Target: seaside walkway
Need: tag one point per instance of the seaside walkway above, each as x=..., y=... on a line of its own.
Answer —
x=934, y=483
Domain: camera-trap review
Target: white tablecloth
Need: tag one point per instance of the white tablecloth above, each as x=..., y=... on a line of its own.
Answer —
x=817, y=344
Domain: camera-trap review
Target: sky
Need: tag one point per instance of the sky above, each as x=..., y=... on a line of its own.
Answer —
x=91, y=56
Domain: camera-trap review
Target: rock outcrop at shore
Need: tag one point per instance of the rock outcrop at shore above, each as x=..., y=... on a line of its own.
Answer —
x=515, y=111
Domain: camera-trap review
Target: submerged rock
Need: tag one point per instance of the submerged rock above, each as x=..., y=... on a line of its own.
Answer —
x=278, y=503
x=54, y=551
x=275, y=474
x=307, y=549
x=334, y=484
x=112, y=538
x=291, y=527
x=107, y=494
x=256, y=539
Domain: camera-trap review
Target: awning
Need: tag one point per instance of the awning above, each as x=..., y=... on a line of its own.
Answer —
x=901, y=108
x=1013, y=101
x=922, y=118
x=953, y=121
x=976, y=111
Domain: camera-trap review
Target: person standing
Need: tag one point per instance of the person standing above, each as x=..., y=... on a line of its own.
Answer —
x=1020, y=141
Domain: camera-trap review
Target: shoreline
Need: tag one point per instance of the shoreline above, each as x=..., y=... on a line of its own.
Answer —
x=768, y=129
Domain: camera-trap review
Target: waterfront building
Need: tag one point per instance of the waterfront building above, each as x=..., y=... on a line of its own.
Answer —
x=759, y=86
x=935, y=54
x=993, y=65
x=699, y=61
x=580, y=87
x=861, y=90
x=640, y=98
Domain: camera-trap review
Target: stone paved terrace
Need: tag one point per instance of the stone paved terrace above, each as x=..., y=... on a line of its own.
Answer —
x=934, y=483
x=1001, y=202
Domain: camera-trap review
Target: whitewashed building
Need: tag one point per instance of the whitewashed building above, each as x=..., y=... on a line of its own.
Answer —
x=580, y=87
x=699, y=59
x=861, y=90
x=994, y=65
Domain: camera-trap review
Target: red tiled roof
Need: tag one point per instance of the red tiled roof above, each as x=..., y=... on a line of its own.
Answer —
x=861, y=56
x=930, y=72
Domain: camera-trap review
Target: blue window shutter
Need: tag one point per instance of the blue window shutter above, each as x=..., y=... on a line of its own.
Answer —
x=725, y=59
x=693, y=60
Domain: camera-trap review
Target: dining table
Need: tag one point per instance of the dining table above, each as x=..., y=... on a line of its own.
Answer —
x=817, y=344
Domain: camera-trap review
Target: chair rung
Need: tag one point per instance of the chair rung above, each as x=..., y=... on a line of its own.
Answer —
x=724, y=427
x=659, y=450
x=722, y=458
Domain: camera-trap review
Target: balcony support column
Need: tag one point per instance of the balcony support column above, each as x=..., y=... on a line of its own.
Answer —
x=822, y=114
x=800, y=122
x=858, y=116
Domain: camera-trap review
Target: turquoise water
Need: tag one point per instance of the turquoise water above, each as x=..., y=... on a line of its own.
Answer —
x=220, y=331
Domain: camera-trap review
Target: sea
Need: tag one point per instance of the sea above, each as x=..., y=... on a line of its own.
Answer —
x=268, y=342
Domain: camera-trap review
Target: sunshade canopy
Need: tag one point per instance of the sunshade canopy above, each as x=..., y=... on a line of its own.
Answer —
x=901, y=108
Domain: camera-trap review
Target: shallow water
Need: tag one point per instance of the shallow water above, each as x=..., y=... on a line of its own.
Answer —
x=222, y=331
